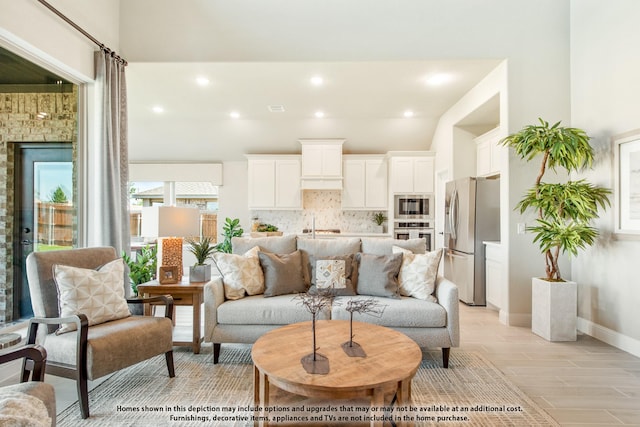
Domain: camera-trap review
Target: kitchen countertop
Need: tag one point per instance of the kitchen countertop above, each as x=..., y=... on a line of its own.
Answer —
x=344, y=234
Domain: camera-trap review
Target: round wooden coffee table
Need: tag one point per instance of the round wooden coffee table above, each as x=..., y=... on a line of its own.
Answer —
x=391, y=362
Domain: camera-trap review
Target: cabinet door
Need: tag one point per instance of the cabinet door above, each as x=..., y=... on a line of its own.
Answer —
x=496, y=153
x=402, y=175
x=423, y=175
x=287, y=184
x=312, y=160
x=354, y=184
x=332, y=161
x=262, y=179
x=376, y=195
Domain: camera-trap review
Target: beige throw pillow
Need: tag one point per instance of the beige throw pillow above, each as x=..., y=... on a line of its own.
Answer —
x=241, y=274
x=99, y=294
x=418, y=273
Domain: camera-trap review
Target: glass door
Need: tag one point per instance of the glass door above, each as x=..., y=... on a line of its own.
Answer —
x=45, y=212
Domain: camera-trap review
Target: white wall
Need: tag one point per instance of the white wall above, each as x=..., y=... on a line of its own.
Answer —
x=233, y=195
x=30, y=25
x=605, y=101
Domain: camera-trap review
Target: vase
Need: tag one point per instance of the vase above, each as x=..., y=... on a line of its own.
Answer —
x=554, y=309
x=200, y=273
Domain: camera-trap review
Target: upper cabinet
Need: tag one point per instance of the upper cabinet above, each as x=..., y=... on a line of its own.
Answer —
x=488, y=152
x=274, y=182
x=321, y=164
x=365, y=182
x=412, y=172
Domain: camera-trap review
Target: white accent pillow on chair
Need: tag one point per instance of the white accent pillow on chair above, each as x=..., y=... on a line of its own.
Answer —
x=99, y=294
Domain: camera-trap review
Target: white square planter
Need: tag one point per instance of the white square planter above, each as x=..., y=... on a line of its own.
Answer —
x=554, y=309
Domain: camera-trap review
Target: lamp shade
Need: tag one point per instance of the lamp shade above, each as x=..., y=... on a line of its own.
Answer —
x=170, y=221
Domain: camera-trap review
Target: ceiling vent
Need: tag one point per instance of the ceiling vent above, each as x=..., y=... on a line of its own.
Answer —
x=276, y=108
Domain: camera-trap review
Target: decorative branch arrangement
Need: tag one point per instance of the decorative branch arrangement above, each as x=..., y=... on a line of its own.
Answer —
x=368, y=306
x=315, y=363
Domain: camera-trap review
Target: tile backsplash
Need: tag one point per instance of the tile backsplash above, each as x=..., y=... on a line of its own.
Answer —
x=326, y=207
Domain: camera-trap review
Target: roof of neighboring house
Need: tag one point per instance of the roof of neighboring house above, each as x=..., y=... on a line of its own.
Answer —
x=201, y=190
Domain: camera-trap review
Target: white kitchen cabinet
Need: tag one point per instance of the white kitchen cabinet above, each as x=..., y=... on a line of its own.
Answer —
x=412, y=174
x=321, y=164
x=365, y=183
x=493, y=274
x=488, y=152
x=274, y=182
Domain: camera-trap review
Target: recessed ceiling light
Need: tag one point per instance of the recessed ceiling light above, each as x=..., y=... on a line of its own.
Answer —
x=158, y=109
x=317, y=80
x=408, y=113
x=202, y=81
x=438, y=79
x=234, y=115
x=319, y=114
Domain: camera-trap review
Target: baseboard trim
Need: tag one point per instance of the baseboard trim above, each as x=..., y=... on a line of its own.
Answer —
x=611, y=337
x=515, y=319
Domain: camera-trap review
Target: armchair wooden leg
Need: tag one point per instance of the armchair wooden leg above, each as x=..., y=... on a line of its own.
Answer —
x=169, y=357
x=83, y=395
x=216, y=352
x=445, y=357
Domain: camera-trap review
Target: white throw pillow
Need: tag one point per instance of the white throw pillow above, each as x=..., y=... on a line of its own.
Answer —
x=240, y=273
x=99, y=294
x=418, y=273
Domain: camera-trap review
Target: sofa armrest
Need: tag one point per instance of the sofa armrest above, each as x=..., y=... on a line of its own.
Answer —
x=213, y=297
x=447, y=295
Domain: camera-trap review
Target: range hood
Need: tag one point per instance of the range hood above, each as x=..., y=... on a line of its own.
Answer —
x=321, y=164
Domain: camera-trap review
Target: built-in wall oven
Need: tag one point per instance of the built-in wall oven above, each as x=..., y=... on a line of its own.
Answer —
x=413, y=206
x=406, y=230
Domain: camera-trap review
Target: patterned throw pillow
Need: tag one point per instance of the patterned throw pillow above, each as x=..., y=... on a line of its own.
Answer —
x=241, y=274
x=99, y=294
x=330, y=273
x=418, y=273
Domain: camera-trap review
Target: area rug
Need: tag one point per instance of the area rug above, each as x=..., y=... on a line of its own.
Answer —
x=471, y=392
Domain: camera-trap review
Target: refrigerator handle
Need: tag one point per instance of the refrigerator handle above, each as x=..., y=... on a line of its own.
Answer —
x=453, y=215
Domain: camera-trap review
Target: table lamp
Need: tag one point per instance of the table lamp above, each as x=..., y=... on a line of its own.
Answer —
x=169, y=225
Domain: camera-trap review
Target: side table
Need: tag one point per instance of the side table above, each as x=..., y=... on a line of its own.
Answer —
x=184, y=294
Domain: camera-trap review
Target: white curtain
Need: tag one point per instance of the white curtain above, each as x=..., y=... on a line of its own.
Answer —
x=111, y=162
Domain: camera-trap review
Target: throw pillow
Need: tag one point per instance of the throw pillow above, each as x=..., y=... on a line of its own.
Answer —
x=418, y=273
x=282, y=273
x=378, y=274
x=241, y=274
x=99, y=294
x=334, y=272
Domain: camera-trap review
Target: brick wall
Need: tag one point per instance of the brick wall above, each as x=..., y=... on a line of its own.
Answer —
x=19, y=122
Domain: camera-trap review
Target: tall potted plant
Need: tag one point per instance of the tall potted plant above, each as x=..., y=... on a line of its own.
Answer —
x=230, y=229
x=564, y=214
x=202, y=250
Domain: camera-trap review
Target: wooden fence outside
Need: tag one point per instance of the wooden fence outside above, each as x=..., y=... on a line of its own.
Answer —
x=55, y=224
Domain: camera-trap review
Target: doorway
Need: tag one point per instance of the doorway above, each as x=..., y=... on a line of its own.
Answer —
x=44, y=209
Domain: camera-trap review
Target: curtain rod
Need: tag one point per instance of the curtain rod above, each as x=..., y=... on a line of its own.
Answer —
x=83, y=32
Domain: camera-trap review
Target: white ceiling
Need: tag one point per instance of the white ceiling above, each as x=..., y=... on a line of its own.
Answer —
x=363, y=101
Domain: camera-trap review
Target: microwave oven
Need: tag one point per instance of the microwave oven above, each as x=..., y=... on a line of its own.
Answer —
x=413, y=206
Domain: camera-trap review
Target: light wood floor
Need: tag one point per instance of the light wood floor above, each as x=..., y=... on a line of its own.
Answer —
x=583, y=383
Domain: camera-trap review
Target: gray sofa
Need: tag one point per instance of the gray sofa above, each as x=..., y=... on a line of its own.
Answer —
x=429, y=324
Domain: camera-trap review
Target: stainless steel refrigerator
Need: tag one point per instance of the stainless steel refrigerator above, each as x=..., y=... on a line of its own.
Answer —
x=472, y=216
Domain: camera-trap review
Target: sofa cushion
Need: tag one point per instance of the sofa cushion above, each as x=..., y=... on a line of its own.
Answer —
x=275, y=244
x=377, y=246
x=99, y=294
x=315, y=249
x=257, y=310
x=405, y=312
x=241, y=274
x=282, y=273
x=378, y=275
x=417, y=277
x=335, y=273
